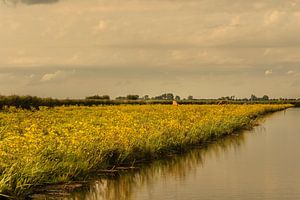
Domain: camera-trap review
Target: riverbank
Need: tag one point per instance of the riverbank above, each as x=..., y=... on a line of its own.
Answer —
x=67, y=143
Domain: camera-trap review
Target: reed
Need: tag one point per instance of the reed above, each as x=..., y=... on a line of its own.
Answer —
x=54, y=145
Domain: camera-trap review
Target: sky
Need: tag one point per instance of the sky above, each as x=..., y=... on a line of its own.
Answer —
x=204, y=48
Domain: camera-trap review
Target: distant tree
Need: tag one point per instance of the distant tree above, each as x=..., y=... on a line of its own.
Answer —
x=104, y=97
x=177, y=98
x=121, y=98
x=158, y=98
x=190, y=97
x=253, y=97
x=224, y=98
x=132, y=97
x=265, y=98
x=169, y=96
x=227, y=98
x=146, y=97
x=166, y=96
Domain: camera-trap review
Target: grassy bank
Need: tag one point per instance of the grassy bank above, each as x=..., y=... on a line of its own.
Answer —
x=66, y=143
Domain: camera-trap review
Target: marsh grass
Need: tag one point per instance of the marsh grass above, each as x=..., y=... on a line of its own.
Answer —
x=56, y=145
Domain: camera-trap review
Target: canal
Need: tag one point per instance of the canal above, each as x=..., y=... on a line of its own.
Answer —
x=262, y=163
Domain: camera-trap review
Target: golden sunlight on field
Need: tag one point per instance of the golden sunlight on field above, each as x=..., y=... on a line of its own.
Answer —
x=65, y=143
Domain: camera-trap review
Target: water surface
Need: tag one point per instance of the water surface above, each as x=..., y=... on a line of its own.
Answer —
x=263, y=163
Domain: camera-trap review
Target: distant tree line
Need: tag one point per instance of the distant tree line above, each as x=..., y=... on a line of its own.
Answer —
x=129, y=97
x=103, y=97
x=252, y=98
x=165, y=96
x=33, y=102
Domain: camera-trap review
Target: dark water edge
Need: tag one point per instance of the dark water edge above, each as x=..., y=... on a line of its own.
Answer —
x=175, y=164
x=243, y=166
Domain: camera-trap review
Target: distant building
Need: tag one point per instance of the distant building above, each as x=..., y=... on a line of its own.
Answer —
x=175, y=103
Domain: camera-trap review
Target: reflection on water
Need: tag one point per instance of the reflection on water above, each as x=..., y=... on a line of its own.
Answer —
x=259, y=164
x=179, y=166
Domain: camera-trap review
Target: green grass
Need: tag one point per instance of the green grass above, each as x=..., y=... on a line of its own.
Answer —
x=68, y=143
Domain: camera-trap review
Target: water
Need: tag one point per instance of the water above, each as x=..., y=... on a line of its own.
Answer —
x=263, y=163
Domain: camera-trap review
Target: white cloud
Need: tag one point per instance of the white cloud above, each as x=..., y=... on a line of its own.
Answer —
x=267, y=51
x=290, y=72
x=271, y=17
x=268, y=72
x=23, y=60
x=53, y=76
x=235, y=21
x=31, y=76
x=99, y=27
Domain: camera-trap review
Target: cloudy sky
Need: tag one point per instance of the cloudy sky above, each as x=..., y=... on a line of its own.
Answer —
x=204, y=48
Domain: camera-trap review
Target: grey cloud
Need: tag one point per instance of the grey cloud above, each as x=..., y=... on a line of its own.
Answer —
x=130, y=71
x=207, y=47
x=160, y=46
x=39, y=1
x=30, y=2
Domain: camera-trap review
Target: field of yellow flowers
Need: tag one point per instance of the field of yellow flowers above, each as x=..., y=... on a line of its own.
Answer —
x=59, y=144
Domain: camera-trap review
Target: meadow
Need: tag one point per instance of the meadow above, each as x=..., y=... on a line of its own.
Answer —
x=61, y=144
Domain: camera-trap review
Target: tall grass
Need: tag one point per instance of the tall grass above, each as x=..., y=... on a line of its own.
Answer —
x=60, y=144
